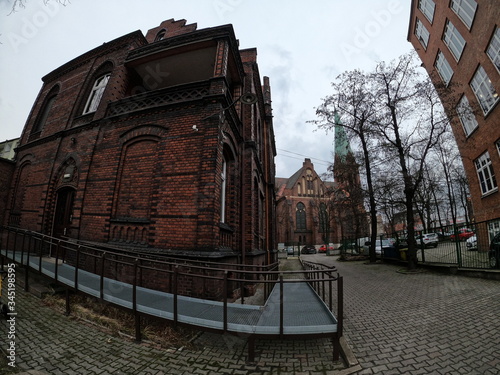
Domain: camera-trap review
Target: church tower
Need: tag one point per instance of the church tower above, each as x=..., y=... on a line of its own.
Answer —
x=349, y=194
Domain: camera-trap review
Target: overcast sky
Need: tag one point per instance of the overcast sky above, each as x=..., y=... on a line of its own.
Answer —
x=302, y=47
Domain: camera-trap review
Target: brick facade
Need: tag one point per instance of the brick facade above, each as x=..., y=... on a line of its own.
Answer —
x=298, y=208
x=478, y=37
x=151, y=164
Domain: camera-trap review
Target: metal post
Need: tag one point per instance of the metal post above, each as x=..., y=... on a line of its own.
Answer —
x=225, y=300
x=137, y=317
x=76, y=265
x=57, y=259
x=176, y=275
x=340, y=313
x=101, y=286
x=281, y=304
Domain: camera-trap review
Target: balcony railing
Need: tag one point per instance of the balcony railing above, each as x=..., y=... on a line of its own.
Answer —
x=158, y=98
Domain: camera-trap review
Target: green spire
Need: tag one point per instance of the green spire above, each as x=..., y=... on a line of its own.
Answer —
x=342, y=147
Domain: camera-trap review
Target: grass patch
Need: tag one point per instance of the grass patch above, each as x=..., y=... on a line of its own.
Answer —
x=119, y=322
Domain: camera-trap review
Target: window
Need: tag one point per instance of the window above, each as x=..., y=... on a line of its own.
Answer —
x=465, y=9
x=160, y=35
x=427, y=8
x=422, y=33
x=484, y=90
x=454, y=40
x=494, y=49
x=466, y=116
x=96, y=94
x=443, y=68
x=300, y=215
x=223, y=191
x=44, y=113
x=485, y=174
x=497, y=143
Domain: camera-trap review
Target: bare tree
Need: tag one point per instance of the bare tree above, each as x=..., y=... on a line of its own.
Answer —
x=21, y=4
x=411, y=121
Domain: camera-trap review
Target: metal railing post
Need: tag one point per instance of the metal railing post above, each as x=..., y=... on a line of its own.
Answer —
x=225, y=300
x=340, y=308
x=57, y=259
x=281, y=304
x=76, y=266
x=134, y=303
x=176, y=275
x=101, y=283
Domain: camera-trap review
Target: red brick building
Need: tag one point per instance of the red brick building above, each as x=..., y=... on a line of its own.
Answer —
x=160, y=141
x=458, y=42
x=311, y=211
x=304, y=212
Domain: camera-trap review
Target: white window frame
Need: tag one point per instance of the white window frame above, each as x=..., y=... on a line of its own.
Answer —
x=453, y=40
x=497, y=143
x=422, y=33
x=493, y=51
x=223, y=194
x=484, y=90
x=96, y=94
x=466, y=116
x=443, y=67
x=427, y=8
x=465, y=10
x=485, y=174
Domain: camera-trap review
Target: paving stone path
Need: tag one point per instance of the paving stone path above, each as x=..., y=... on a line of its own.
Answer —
x=425, y=323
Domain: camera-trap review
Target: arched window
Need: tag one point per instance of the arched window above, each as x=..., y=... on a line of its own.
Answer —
x=300, y=215
x=223, y=190
x=96, y=93
x=160, y=35
x=44, y=113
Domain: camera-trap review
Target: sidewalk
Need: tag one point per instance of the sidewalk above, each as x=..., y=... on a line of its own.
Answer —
x=395, y=323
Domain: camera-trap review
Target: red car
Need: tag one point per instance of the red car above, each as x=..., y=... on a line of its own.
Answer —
x=322, y=249
x=463, y=234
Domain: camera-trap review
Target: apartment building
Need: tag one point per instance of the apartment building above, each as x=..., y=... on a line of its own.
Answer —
x=458, y=42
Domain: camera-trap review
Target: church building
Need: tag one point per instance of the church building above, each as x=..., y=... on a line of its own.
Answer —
x=161, y=141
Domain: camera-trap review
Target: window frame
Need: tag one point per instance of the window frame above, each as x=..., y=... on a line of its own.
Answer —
x=485, y=174
x=458, y=7
x=223, y=190
x=96, y=93
x=482, y=86
x=494, y=43
x=44, y=113
x=466, y=116
x=442, y=62
x=300, y=217
x=425, y=7
x=454, y=40
x=419, y=28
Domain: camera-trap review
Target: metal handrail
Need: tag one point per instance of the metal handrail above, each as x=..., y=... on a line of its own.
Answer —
x=317, y=275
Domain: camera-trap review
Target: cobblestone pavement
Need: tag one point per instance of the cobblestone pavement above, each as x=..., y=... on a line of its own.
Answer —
x=395, y=323
x=424, y=323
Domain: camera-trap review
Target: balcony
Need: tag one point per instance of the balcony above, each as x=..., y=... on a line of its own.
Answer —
x=159, y=98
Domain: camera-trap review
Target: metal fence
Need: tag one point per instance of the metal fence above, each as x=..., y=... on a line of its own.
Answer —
x=462, y=246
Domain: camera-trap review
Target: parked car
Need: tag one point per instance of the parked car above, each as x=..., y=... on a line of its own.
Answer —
x=308, y=249
x=463, y=234
x=380, y=246
x=324, y=248
x=471, y=243
x=494, y=253
x=428, y=239
x=444, y=235
x=289, y=250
